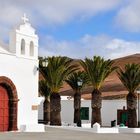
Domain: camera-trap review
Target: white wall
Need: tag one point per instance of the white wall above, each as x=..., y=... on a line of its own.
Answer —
x=23, y=73
x=40, y=109
x=109, y=110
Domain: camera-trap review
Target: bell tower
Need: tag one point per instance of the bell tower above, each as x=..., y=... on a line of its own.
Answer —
x=24, y=41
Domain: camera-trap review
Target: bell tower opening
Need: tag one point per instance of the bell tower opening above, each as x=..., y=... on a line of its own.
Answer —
x=31, y=48
x=24, y=40
x=22, y=46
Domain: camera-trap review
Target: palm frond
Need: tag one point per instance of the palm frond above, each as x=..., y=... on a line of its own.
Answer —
x=57, y=71
x=97, y=70
x=130, y=76
x=44, y=89
x=73, y=79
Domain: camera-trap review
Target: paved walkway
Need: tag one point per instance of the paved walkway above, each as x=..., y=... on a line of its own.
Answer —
x=62, y=134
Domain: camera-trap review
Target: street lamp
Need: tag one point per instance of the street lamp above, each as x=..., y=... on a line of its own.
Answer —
x=80, y=82
x=45, y=63
x=138, y=92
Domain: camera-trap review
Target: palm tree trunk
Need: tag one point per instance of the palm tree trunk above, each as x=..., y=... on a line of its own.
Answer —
x=131, y=108
x=77, y=106
x=46, y=106
x=96, y=105
x=55, y=109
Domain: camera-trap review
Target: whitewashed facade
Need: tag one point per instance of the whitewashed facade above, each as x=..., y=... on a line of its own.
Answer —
x=108, y=111
x=19, y=64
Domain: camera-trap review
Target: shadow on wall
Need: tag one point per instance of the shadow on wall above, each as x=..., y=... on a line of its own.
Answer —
x=40, y=110
x=35, y=69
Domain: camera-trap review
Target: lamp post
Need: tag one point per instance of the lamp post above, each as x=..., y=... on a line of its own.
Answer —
x=79, y=83
x=138, y=92
x=46, y=103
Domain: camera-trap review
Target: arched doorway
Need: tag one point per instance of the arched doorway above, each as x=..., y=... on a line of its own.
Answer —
x=8, y=105
x=4, y=109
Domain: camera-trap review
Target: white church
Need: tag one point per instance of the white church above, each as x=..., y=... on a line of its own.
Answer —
x=20, y=105
x=19, y=78
x=19, y=85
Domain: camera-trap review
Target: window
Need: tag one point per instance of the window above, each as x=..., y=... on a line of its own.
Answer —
x=22, y=46
x=31, y=48
x=84, y=113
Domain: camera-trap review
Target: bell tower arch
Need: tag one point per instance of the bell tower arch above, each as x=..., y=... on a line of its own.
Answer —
x=24, y=41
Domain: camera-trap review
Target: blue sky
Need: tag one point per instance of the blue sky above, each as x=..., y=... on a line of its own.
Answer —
x=78, y=28
x=97, y=25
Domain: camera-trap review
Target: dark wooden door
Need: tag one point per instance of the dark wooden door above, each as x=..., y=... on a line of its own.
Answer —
x=4, y=109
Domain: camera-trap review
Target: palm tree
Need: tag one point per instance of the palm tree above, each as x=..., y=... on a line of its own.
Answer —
x=97, y=70
x=130, y=77
x=72, y=81
x=45, y=92
x=56, y=72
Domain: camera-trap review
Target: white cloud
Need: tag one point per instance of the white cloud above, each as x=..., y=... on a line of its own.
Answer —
x=45, y=12
x=88, y=46
x=62, y=11
x=129, y=16
x=54, y=11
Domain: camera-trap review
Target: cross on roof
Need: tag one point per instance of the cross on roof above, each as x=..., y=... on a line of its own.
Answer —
x=25, y=19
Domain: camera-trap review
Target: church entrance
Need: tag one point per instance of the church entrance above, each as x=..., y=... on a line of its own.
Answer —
x=8, y=105
x=4, y=109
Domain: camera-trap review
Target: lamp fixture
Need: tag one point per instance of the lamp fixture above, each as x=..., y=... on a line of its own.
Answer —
x=45, y=63
x=80, y=82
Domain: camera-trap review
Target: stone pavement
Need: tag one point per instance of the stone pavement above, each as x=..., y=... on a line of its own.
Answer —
x=62, y=134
